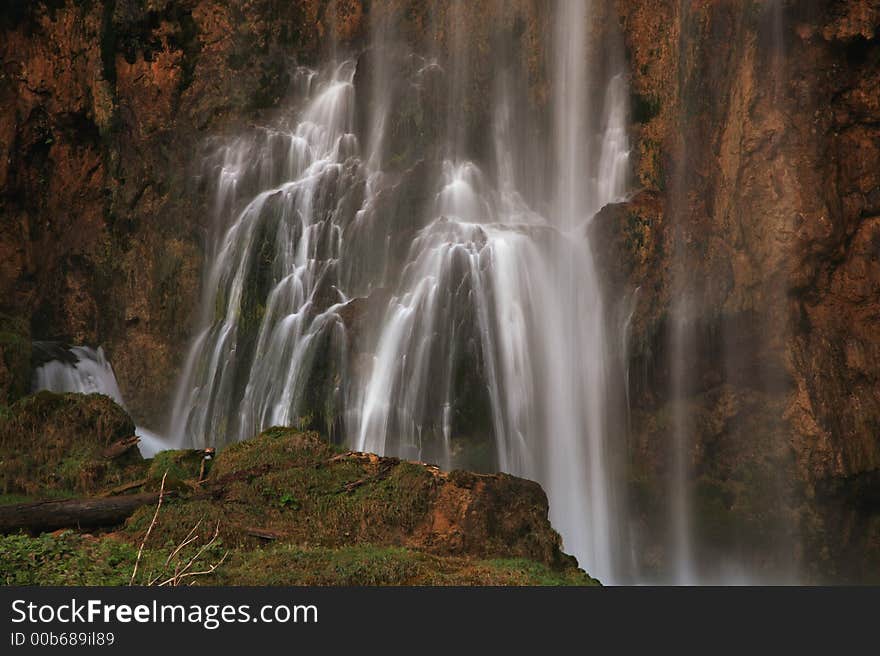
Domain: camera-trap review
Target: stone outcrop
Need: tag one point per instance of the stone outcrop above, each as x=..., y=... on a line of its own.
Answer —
x=296, y=487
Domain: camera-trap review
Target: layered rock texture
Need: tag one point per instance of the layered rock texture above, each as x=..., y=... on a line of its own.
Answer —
x=747, y=261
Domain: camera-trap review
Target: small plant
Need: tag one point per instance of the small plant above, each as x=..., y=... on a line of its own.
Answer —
x=289, y=501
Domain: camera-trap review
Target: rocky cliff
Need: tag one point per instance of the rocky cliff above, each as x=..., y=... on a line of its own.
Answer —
x=753, y=243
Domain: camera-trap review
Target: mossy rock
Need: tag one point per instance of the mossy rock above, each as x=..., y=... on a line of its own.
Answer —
x=285, y=508
x=288, y=508
x=276, y=445
x=297, y=488
x=52, y=444
x=180, y=468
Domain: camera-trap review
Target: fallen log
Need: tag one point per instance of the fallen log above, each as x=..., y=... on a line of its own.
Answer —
x=45, y=516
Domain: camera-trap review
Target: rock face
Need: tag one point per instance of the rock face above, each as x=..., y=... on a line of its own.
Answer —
x=747, y=262
x=104, y=106
x=754, y=245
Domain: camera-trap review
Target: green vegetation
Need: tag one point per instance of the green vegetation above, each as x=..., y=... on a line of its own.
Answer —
x=374, y=565
x=71, y=559
x=65, y=559
x=178, y=468
x=285, y=508
x=15, y=360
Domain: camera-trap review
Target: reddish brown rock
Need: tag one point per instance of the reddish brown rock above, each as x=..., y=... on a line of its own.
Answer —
x=758, y=131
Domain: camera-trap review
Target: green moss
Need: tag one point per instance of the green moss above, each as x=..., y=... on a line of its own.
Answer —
x=11, y=499
x=179, y=465
x=268, y=448
x=284, y=481
x=53, y=444
x=275, y=432
x=71, y=559
x=539, y=574
x=368, y=564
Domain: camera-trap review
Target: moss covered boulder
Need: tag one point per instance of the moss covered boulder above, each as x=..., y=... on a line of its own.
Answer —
x=54, y=445
x=295, y=487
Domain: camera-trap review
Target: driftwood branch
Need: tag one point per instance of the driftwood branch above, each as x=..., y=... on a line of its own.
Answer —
x=125, y=487
x=262, y=533
x=120, y=447
x=181, y=569
x=383, y=473
x=149, y=529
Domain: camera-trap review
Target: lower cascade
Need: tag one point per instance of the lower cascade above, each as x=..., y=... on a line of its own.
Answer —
x=84, y=370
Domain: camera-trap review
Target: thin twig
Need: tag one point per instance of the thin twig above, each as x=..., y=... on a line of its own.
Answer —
x=181, y=572
x=177, y=578
x=201, y=550
x=189, y=538
x=149, y=529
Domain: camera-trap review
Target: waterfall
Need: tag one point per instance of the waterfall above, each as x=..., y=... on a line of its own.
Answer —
x=84, y=370
x=486, y=345
x=272, y=296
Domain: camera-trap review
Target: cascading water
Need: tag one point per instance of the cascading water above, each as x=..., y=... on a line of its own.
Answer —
x=490, y=329
x=84, y=370
x=79, y=369
x=272, y=289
